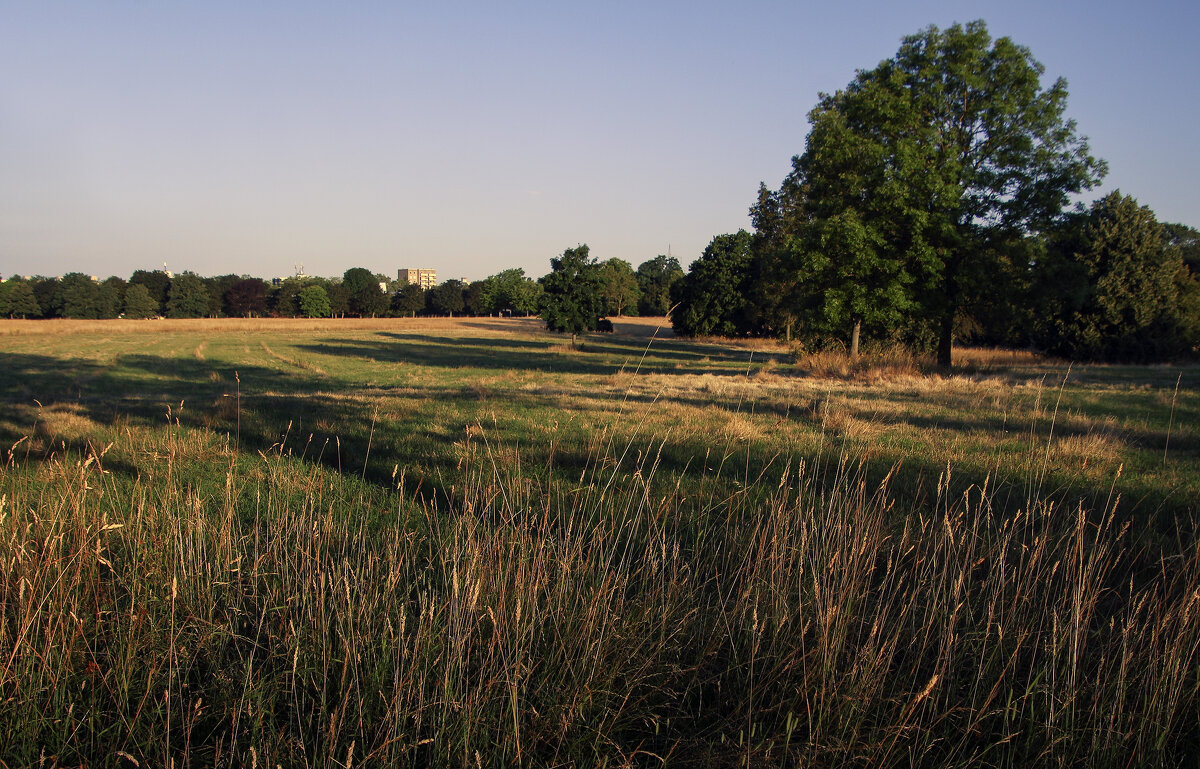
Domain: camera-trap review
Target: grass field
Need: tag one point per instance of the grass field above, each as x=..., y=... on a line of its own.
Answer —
x=470, y=542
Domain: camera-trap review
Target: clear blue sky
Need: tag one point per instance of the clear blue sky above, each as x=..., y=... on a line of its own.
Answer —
x=248, y=137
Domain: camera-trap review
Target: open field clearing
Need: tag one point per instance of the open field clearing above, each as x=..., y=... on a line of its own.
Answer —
x=470, y=542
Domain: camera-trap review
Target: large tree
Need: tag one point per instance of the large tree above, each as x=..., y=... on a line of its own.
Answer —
x=619, y=287
x=476, y=300
x=446, y=298
x=572, y=301
x=367, y=299
x=946, y=157
x=409, y=300
x=189, y=297
x=20, y=301
x=712, y=297
x=1108, y=289
x=314, y=302
x=157, y=282
x=78, y=297
x=510, y=291
x=112, y=296
x=246, y=298
x=655, y=278
x=138, y=302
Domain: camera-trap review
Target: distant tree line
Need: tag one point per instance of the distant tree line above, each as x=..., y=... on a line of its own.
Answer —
x=931, y=205
x=358, y=293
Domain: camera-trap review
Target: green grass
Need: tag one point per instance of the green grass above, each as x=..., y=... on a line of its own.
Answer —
x=450, y=545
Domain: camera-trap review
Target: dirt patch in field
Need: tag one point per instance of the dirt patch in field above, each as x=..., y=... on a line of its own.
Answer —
x=643, y=327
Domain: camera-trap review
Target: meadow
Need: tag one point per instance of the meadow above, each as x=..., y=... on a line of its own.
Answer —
x=473, y=543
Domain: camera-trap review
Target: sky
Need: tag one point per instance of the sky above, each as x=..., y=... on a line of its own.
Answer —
x=258, y=137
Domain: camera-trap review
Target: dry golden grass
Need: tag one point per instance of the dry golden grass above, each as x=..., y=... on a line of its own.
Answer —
x=996, y=357
x=65, y=421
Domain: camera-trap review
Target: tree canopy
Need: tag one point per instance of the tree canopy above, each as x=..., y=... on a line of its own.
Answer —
x=157, y=283
x=188, y=297
x=314, y=302
x=510, y=291
x=366, y=299
x=618, y=287
x=573, y=302
x=19, y=300
x=246, y=297
x=655, y=277
x=712, y=297
x=138, y=302
x=446, y=298
x=409, y=300
x=927, y=168
x=1108, y=289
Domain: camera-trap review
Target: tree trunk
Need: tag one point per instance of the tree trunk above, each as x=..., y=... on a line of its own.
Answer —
x=854, y=338
x=946, y=340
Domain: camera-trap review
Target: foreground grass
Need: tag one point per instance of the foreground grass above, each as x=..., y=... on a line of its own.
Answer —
x=293, y=615
x=464, y=546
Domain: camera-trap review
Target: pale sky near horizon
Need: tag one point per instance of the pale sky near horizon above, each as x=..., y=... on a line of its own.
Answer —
x=252, y=137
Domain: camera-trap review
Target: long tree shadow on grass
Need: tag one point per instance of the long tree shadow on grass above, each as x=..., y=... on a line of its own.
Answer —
x=309, y=415
x=593, y=356
x=260, y=408
x=1014, y=483
x=301, y=412
x=296, y=412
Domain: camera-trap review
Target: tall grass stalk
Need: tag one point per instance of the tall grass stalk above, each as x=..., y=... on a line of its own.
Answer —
x=283, y=614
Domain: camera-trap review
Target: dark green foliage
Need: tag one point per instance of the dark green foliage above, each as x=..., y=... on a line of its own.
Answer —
x=712, y=297
x=20, y=301
x=283, y=300
x=1185, y=242
x=1109, y=290
x=138, y=302
x=112, y=296
x=246, y=298
x=314, y=302
x=512, y=293
x=445, y=298
x=619, y=287
x=655, y=278
x=1187, y=309
x=217, y=288
x=475, y=298
x=366, y=298
x=409, y=300
x=339, y=298
x=573, y=299
x=78, y=297
x=157, y=283
x=936, y=161
x=188, y=297
x=849, y=282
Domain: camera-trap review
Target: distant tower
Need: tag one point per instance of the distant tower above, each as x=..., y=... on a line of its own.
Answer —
x=299, y=270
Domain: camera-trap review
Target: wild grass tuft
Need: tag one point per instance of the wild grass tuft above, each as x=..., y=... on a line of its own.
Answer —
x=272, y=611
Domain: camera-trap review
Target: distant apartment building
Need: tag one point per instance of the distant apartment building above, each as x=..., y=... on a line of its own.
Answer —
x=426, y=279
